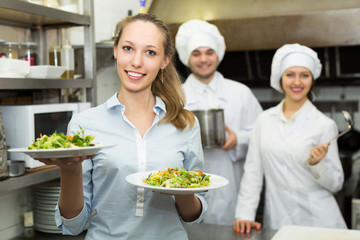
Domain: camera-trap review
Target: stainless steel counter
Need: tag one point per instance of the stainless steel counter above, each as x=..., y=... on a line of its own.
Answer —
x=219, y=232
x=201, y=231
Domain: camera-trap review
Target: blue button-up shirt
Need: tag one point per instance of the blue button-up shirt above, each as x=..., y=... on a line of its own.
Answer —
x=121, y=210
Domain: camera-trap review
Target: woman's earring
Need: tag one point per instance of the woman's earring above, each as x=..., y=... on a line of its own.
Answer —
x=115, y=65
x=162, y=76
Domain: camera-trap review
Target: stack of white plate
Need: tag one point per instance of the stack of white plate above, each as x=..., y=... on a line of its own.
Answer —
x=46, y=198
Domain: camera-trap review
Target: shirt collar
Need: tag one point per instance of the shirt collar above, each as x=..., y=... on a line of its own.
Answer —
x=214, y=85
x=280, y=113
x=160, y=106
x=198, y=85
x=114, y=102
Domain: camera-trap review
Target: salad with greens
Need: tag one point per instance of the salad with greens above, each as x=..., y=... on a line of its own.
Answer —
x=61, y=140
x=178, y=178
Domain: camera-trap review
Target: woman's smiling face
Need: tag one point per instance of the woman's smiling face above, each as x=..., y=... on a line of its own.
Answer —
x=296, y=83
x=139, y=55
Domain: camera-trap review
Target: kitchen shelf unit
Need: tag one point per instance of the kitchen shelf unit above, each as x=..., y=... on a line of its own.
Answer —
x=29, y=179
x=38, y=19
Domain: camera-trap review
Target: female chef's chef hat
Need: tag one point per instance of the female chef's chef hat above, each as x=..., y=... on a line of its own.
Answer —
x=291, y=55
x=197, y=33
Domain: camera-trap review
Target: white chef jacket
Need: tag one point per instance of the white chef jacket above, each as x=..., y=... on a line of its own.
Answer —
x=296, y=193
x=240, y=111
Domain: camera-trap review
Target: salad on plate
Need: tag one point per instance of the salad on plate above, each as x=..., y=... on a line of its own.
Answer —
x=178, y=178
x=61, y=140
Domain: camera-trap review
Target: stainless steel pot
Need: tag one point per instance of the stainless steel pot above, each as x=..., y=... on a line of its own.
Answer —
x=16, y=168
x=212, y=127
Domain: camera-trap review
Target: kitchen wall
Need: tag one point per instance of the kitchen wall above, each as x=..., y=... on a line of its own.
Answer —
x=322, y=94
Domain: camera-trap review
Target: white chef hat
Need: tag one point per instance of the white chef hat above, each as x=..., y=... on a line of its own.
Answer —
x=291, y=55
x=198, y=33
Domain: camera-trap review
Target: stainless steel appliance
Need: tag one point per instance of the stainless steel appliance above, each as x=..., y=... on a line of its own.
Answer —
x=212, y=127
x=24, y=123
x=3, y=153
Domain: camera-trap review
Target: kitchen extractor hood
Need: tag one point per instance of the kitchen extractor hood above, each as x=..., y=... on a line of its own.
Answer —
x=268, y=24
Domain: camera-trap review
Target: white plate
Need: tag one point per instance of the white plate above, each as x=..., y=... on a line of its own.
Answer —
x=46, y=227
x=46, y=191
x=61, y=152
x=45, y=207
x=47, y=195
x=46, y=203
x=46, y=71
x=47, y=230
x=137, y=180
x=45, y=212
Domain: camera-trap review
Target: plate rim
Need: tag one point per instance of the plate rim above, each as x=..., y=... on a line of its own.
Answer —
x=25, y=150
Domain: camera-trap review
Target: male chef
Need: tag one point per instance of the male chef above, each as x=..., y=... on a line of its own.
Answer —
x=201, y=47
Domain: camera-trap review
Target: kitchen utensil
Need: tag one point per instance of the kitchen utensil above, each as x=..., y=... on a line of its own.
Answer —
x=350, y=123
x=16, y=168
x=13, y=68
x=212, y=127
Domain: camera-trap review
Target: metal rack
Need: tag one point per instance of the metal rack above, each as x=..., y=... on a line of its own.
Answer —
x=38, y=19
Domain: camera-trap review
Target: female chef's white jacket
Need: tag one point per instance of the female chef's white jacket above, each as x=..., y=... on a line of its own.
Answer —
x=240, y=111
x=296, y=193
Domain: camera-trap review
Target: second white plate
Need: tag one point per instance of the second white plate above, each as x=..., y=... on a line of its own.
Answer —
x=137, y=180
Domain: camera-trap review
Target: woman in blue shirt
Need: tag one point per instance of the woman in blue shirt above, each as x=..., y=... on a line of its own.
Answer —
x=152, y=130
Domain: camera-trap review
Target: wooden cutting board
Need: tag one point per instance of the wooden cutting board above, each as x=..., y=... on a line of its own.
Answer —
x=314, y=233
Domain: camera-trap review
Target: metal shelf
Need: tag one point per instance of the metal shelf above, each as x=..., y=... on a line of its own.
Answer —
x=39, y=18
x=29, y=179
x=25, y=14
x=31, y=83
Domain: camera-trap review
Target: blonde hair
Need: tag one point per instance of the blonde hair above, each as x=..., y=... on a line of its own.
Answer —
x=167, y=84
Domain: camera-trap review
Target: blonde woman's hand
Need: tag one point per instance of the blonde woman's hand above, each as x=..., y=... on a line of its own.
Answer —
x=65, y=163
x=318, y=153
x=244, y=226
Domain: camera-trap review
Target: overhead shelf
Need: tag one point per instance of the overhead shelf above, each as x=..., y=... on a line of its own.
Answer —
x=34, y=83
x=27, y=14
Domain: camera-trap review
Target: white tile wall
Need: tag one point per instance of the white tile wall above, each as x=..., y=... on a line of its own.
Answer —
x=108, y=82
x=107, y=13
x=11, y=212
x=322, y=94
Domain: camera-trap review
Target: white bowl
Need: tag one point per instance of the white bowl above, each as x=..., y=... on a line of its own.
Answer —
x=45, y=71
x=13, y=68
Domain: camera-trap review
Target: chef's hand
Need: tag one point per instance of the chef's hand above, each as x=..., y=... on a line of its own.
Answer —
x=318, y=153
x=244, y=226
x=65, y=163
x=231, y=141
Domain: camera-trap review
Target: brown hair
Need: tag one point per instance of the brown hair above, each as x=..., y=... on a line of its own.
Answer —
x=167, y=84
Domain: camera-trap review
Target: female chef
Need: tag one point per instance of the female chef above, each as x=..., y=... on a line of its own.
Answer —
x=298, y=191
